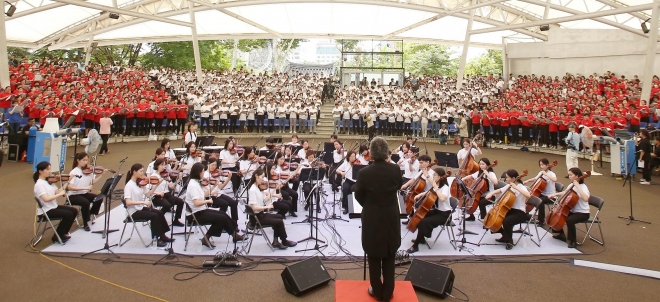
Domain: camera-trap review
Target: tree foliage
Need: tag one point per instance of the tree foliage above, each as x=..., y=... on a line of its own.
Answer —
x=430, y=59
x=180, y=55
x=346, y=45
x=489, y=62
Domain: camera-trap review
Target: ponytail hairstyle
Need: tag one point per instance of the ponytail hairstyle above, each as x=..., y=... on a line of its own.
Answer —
x=546, y=162
x=259, y=172
x=159, y=162
x=210, y=161
x=134, y=168
x=246, y=153
x=159, y=151
x=441, y=172
x=77, y=158
x=196, y=170
x=578, y=172
x=188, y=145
x=164, y=142
x=513, y=174
x=487, y=162
x=40, y=167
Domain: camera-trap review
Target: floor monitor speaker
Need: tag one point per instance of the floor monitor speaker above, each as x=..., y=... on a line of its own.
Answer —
x=430, y=277
x=304, y=276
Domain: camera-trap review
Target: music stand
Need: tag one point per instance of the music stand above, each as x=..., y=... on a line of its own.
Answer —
x=106, y=192
x=446, y=159
x=315, y=174
x=395, y=158
x=266, y=153
x=356, y=169
x=204, y=141
x=328, y=148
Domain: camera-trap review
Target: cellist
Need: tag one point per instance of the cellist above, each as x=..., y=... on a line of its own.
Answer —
x=550, y=178
x=463, y=153
x=580, y=212
x=440, y=212
x=517, y=213
x=486, y=171
x=424, y=172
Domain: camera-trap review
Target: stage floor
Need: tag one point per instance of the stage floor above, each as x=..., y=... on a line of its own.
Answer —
x=342, y=242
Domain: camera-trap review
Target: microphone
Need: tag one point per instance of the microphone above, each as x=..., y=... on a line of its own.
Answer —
x=69, y=122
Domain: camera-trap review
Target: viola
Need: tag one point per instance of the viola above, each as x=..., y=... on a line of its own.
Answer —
x=196, y=154
x=174, y=174
x=416, y=187
x=495, y=217
x=424, y=205
x=478, y=188
x=293, y=166
x=539, y=186
x=239, y=149
x=557, y=217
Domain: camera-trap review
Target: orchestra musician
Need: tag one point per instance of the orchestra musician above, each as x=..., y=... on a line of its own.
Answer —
x=550, y=178
x=191, y=135
x=150, y=167
x=229, y=161
x=338, y=156
x=303, y=151
x=79, y=189
x=409, y=165
x=260, y=201
x=162, y=194
x=139, y=206
x=440, y=212
x=486, y=171
x=517, y=214
x=220, y=199
x=463, y=153
x=580, y=212
x=198, y=204
x=375, y=191
x=248, y=164
x=47, y=195
x=311, y=162
x=191, y=157
x=169, y=153
x=287, y=192
x=425, y=172
x=346, y=171
x=363, y=155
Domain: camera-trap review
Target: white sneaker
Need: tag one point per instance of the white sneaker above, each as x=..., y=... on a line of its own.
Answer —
x=644, y=183
x=642, y=180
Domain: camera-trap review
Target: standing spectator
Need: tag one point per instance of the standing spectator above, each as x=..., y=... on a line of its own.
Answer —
x=105, y=126
x=13, y=117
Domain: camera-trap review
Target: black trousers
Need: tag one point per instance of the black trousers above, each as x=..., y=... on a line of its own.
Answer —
x=515, y=133
x=180, y=125
x=273, y=220
x=483, y=202
x=545, y=200
x=372, y=131
x=646, y=172
x=232, y=123
x=282, y=206
x=288, y=193
x=307, y=191
x=156, y=220
x=68, y=215
x=571, y=221
x=345, y=191
x=129, y=125
x=119, y=124
x=335, y=180
x=513, y=217
x=141, y=124
x=84, y=201
x=224, y=202
x=545, y=135
x=219, y=221
x=167, y=202
x=205, y=124
x=432, y=220
x=104, y=145
x=383, y=288
x=159, y=125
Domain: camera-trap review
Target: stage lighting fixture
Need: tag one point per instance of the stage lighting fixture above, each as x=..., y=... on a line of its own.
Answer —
x=114, y=16
x=11, y=10
x=544, y=27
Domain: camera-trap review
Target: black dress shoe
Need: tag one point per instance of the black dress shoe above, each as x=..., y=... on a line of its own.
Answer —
x=166, y=239
x=306, y=207
x=501, y=239
x=560, y=236
x=278, y=245
x=238, y=237
x=64, y=239
x=293, y=214
x=412, y=249
x=177, y=223
x=470, y=218
x=572, y=245
x=405, y=222
x=345, y=211
x=66, y=236
x=289, y=243
x=371, y=293
x=162, y=243
x=87, y=228
x=421, y=242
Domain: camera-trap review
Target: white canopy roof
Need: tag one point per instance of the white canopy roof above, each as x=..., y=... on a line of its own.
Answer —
x=72, y=23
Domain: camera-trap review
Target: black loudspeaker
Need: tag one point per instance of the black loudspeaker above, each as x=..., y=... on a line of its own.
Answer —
x=430, y=277
x=305, y=275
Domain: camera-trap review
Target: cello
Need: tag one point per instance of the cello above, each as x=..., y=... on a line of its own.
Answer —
x=415, y=188
x=467, y=167
x=538, y=187
x=496, y=215
x=478, y=188
x=424, y=205
x=557, y=217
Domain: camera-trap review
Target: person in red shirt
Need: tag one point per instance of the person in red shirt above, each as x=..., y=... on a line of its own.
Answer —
x=5, y=101
x=563, y=129
x=181, y=117
x=120, y=117
x=543, y=131
x=485, y=122
x=526, y=126
x=644, y=112
x=634, y=119
x=476, y=121
x=495, y=122
x=160, y=116
x=130, y=118
x=44, y=114
x=172, y=110
x=141, y=114
x=149, y=117
x=504, y=124
x=553, y=130
x=514, y=118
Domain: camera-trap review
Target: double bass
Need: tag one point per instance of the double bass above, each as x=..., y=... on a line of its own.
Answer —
x=467, y=167
x=478, y=188
x=496, y=215
x=557, y=217
x=538, y=187
x=415, y=188
x=424, y=205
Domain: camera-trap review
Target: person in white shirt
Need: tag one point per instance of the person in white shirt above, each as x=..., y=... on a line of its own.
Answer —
x=409, y=165
x=259, y=199
x=580, y=212
x=191, y=135
x=281, y=118
x=293, y=119
x=150, y=167
x=218, y=180
x=205, y=119
x=80, y=188
x=47, y=195
x=197, y=201
x=162, y=194
x=337, y=158
x=463, y=153
x=425, y=173
x=363, y=154
x=346, y=172
x=486, y=171
x=516, y=214
x=191, y=157
x=313, y=113
x=229, y=162
x=439, y=212
x=550, y=179
x=139, y=206
x=169, y=153
x=336, y=116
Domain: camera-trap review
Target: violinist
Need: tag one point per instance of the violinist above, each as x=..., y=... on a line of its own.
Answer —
x=80, y=187
x=150, y=167
x=303, y=151
x=363, y=157
x=162, y=196
x=311, y=162
x=346, y=171
x=294, y=141
x=197, y=202
x=139, y=206
x=259, y=201
x=425, y=172
x=440, y=212
x=402, y=151
x=47, y=195
x=550, y=178
x=248, y=163
x=287, y=193
x=410, y=165
x=337, y=157
x=517, y=213
x=580, y=212
x=485, y=171
x=229, y=160
x=191, y=157
x=220, y=199
x=169, y=153
x=467, y=149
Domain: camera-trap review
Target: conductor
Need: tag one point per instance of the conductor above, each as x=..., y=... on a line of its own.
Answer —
x=376, y=191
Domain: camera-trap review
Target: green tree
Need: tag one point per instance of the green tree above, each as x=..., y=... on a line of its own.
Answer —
x=180, y=55
x=430, y=59
x=487, y=63
x=346, y=45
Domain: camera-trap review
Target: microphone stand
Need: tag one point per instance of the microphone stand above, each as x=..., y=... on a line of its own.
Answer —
x=170, y=251
x=629, y=181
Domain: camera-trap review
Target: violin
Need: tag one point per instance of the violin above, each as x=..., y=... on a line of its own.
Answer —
x=367, y=157
x=87, y=170
x=557, y=217
x=204, y=182
x=539, y=186
x=154, y=180
x=218, y=173
x=495, y=217
x=197, y=154
x=142, y=181
x=424, y=205
x=165, y=175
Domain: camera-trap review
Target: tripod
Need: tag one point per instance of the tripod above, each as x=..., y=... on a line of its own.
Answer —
x=629, y=181
x=315, y=191
x=106, y=223
x=170, y=251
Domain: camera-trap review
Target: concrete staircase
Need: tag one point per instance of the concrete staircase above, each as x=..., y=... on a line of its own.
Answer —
x=325, y=126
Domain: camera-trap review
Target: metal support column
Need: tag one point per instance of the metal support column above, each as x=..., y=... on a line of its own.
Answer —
x=4, y=59
x=466, y=46
x=505, y=64
x=234, y=54
x=651, y=50
x=198, y=62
